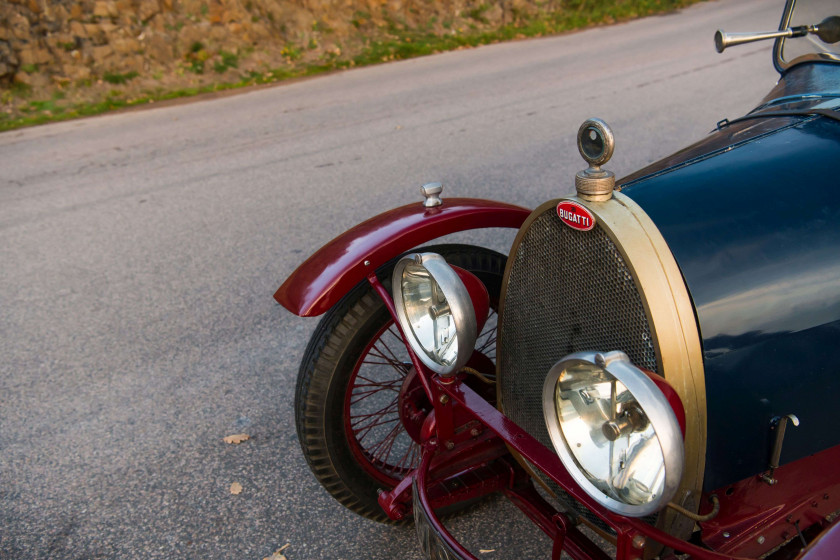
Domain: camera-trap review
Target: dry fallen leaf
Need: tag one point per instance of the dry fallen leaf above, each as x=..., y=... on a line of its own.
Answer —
x=278, y=554
x=235, y=488
x=236, y=438
x=486, y=550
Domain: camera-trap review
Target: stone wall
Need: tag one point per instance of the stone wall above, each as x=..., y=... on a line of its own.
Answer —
x=44, y=43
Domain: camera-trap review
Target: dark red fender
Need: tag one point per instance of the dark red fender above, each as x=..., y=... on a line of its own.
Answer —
x=339, y=265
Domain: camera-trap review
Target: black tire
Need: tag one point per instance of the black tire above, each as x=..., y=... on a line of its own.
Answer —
x=350, y=337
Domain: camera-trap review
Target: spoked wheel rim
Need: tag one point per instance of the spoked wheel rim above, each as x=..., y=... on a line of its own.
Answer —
x=378, y=392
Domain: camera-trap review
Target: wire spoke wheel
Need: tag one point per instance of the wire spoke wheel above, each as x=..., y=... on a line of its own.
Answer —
x=372, y=409
x=359, y=404
x=385, y=405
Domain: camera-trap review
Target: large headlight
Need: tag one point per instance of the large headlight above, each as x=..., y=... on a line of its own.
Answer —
x=435, y=311
x=615, y=431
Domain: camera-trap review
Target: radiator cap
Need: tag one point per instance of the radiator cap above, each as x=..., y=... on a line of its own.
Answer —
x=596, y=143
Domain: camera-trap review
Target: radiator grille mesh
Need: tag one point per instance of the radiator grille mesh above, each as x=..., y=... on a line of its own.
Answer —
x=567, y=291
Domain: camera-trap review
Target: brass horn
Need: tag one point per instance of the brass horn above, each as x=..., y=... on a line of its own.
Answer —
x=723, y=39
x=828, y=30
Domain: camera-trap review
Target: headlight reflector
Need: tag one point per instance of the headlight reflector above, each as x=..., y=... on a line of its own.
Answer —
x=614, y=431
x=435, y=311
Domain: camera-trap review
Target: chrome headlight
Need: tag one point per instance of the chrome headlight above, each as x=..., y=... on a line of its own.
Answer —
x=614, y=431
x=435, y=311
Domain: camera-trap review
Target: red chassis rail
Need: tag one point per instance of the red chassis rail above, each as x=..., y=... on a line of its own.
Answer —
x=628, y=528
x=456, y=404
x=755, y=515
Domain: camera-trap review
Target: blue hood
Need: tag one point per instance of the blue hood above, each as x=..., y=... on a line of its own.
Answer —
x=754, y=226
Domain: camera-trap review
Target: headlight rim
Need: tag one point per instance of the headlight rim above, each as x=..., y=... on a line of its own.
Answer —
x=459, y=301
x=659, y=412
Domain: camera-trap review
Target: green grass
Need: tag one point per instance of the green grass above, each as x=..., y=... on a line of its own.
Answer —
x=41, y=112
x=401, y=43
x=578, y=14
x=196, y=57
x=478, y=13
x=320, y=27
x=291, y=52
x=226, y=60
x=360, y=18
x=114, y=78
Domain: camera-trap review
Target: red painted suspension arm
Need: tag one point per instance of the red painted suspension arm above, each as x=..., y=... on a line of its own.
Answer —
x=549, y=463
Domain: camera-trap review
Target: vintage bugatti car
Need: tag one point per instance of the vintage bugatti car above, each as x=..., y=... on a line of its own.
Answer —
x=656, y=357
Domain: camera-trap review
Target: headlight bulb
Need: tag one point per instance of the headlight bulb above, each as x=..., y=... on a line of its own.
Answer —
x=614, y=431
x=428, y=314
x=436, y=311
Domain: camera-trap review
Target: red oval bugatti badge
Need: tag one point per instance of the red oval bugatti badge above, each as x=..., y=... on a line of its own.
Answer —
x=575, y=215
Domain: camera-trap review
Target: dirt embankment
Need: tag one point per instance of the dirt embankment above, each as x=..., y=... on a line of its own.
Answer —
x=167, y=43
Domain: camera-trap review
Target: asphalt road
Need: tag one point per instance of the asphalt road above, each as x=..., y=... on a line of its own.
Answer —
x=139, y=253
